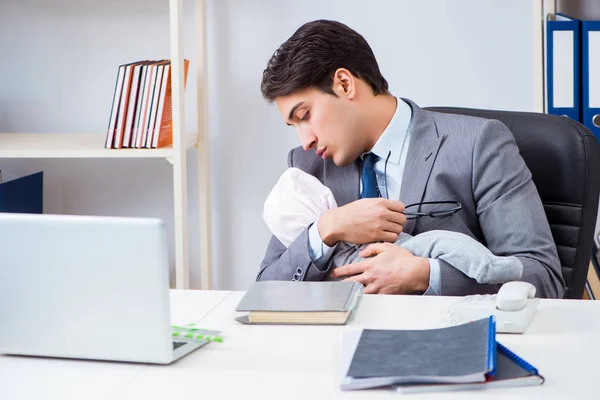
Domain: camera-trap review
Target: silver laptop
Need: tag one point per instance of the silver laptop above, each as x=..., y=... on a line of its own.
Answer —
x=86, y=287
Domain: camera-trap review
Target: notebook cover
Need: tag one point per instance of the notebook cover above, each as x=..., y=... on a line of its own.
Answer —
x=291, y=296
x=511, y=366
x=511, y=371
x=462, y=353
x=23, y=195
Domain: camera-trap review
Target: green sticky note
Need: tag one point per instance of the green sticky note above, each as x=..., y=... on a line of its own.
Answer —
x=175, y=333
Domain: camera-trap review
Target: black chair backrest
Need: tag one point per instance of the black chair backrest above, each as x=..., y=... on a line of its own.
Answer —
x=564, y=159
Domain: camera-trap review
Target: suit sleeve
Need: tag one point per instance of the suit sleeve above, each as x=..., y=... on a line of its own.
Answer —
x=511, y=216
x=294, y=262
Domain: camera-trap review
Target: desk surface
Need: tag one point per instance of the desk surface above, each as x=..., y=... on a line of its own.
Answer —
x=40, y=378
x=302, y=361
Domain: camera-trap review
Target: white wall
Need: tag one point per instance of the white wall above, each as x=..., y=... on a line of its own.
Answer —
x=59, y=61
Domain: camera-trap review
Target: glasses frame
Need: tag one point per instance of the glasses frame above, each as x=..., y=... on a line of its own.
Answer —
x=433, y=214
x=416, y=215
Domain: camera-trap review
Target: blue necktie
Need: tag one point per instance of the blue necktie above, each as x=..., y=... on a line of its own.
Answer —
x=369, y=179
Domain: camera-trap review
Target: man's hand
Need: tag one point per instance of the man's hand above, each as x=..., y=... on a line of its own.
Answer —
x=363, y=221
x=392, y=270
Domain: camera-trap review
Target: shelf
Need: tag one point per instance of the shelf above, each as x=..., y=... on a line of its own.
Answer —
x=70, y=145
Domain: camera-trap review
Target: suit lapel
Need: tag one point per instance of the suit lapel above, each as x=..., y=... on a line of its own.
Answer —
x=422, y=152
x=343, y=182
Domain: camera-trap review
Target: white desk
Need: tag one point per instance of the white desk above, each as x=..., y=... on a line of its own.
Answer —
x=39, y=378
x=296, y=362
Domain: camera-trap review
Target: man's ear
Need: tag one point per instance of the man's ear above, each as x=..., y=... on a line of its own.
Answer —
x=344, y=84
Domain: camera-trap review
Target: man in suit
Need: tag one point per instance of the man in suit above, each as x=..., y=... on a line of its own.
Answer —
x=378, y=153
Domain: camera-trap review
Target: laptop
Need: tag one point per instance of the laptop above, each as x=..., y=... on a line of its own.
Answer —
x=86, y=287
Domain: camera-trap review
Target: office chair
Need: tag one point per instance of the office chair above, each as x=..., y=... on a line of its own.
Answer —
x=564, y=159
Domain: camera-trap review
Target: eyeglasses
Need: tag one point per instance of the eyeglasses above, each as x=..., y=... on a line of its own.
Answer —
x=446, y=208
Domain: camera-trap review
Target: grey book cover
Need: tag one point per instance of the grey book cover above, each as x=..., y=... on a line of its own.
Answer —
x=463, y=353
x=291, y=296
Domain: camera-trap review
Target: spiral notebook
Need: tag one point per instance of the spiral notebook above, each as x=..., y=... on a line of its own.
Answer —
x=511, y=371
x=459, y=354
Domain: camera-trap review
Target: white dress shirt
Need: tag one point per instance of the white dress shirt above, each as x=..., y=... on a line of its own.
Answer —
x=394, y=141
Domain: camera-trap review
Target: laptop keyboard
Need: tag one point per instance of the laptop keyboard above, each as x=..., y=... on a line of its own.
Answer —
x=177, y=345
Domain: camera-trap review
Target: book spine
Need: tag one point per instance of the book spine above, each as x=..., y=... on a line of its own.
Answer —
x=354, y=297
x=131, y=107
x=122, y=118
x=166, y=131
x=492, y=346
x=154, y=106
x=138, y=108
x=115, y=108
x=146, y=106
x=518, y=360
x=161, y=105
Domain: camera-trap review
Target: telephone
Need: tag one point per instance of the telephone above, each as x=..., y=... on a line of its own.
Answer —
x=514, y=307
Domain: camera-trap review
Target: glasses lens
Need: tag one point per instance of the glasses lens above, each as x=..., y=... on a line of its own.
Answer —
x=440, y=214
x=433, y=210
x=412, y=210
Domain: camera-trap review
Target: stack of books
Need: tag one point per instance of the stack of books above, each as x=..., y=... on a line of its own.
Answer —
x=141, y=113
x=300, y=303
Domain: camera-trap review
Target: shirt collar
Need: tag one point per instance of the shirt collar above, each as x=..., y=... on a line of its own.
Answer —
x=393, y=137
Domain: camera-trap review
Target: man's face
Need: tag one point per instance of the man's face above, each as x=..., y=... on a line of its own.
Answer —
x=325, y=123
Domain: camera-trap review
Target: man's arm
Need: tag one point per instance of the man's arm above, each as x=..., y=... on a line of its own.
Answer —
x=292, y=263
x=511, y=216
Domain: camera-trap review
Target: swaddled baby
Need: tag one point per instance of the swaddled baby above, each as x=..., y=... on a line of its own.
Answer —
x=298, y=199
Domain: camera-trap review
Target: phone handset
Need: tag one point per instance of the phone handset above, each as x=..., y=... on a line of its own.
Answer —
x=514, y=307
x=513, y=296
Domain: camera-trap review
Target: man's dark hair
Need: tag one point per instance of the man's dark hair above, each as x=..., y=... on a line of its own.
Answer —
x=311, y=56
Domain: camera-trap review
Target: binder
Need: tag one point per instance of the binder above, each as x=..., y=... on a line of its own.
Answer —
x=511, y=371
x=22, y=195
x=590, y=59
x=463, y=357
x=461, y=354
x=563, y=66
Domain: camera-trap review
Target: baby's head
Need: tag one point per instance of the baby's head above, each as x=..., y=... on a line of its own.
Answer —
x=297, y=200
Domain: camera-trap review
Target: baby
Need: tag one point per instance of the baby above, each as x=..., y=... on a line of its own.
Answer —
x=298, y=199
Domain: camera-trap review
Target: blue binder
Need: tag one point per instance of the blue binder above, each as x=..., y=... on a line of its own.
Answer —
x=563, y=66
x=23, y=195
x=590, y=59
x=511, y=371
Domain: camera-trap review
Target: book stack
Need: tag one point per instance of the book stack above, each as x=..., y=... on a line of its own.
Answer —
x=300, y=303
x=141, y=113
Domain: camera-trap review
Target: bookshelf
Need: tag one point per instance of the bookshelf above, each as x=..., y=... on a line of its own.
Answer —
x=73, y=145
x=91, y=145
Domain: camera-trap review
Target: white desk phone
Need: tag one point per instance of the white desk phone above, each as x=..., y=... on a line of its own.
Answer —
x=514, y=307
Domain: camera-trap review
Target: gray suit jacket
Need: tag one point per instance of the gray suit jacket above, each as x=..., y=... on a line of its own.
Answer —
x=451, y=157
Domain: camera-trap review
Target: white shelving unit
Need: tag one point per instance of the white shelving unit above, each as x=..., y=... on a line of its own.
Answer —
x=73, y=145
x=63, y=145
